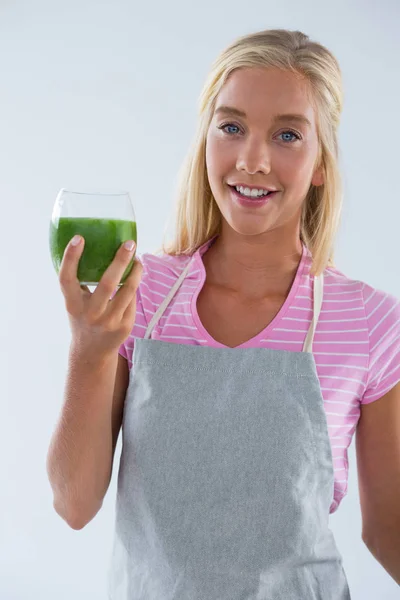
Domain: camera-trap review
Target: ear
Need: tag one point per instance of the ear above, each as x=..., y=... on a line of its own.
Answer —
x=318, y=177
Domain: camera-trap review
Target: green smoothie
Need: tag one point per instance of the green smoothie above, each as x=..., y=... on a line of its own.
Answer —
x=103, y=237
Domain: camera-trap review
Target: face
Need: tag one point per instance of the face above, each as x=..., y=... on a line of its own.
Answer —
x=253, y=148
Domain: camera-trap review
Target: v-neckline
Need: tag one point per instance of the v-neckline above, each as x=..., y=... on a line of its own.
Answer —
x=267, y=330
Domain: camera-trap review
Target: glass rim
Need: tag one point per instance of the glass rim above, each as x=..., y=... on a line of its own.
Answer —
x=91, y=193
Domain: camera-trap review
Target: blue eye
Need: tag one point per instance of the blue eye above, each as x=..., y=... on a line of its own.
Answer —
x=287, y=132
x=290, y=133
x=223, y=127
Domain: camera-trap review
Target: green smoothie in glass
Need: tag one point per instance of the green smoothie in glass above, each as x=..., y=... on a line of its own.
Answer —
x=103, y=237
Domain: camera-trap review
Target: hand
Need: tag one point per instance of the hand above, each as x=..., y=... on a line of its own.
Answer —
x=100, y=325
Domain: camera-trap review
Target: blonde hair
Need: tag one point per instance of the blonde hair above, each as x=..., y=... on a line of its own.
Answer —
x=197, y=216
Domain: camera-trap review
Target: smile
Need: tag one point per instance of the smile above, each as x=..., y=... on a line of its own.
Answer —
x=250, y=201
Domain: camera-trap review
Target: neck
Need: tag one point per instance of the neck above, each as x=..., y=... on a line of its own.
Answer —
x=256, y=266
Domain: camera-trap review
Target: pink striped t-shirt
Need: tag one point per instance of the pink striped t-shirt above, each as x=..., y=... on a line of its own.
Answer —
x=356, y=344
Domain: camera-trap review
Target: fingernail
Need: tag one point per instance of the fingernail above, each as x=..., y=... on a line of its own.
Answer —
x=75, y=240
x=129, y=245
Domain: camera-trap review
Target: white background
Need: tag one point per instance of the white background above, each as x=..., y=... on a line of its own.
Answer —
x=103, y=95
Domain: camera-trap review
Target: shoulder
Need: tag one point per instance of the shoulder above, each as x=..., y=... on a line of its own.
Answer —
x=374, y=300
x=381, y=308
x=160, y=272
x=164, y=264
x=333, y=277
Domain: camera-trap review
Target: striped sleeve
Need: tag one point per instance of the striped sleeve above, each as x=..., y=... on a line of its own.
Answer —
x=382, y=311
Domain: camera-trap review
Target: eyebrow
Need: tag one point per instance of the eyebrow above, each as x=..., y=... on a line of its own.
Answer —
x=230, y=110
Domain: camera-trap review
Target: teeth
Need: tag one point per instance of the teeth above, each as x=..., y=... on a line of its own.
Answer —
x=251, y=193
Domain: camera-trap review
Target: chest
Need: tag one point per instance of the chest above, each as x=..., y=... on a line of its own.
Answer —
x=233, y=321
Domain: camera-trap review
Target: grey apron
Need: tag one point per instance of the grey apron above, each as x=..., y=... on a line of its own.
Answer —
x=226, y=475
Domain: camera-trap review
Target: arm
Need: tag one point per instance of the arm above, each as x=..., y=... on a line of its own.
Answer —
x=378, y=464
x=80, y=457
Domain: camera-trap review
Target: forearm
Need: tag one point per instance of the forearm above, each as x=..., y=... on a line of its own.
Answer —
x=385, y=547
x=80, y=453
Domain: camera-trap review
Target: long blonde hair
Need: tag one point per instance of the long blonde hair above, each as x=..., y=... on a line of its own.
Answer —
x=197, y=216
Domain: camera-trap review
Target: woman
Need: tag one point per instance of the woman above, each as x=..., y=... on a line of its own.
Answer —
x=254, y=359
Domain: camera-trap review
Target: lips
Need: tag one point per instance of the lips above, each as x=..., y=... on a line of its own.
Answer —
x=247, y=202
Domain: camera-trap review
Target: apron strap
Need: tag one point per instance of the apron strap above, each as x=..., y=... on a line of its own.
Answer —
x=317, y=293
x=166, y=301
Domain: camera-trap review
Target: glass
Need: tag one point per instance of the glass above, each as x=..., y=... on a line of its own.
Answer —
x=104, y=220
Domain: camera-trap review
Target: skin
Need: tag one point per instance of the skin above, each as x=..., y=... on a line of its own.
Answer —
x=259, y=249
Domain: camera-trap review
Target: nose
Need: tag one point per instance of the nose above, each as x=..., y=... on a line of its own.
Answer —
x=254, y=157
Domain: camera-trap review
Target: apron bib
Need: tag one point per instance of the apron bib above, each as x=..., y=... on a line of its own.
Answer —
x=226, y=475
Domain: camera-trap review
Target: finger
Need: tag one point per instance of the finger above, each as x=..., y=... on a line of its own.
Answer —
x=127, y=292
x=110, y=280
x=68, y=274
x=129, y=315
